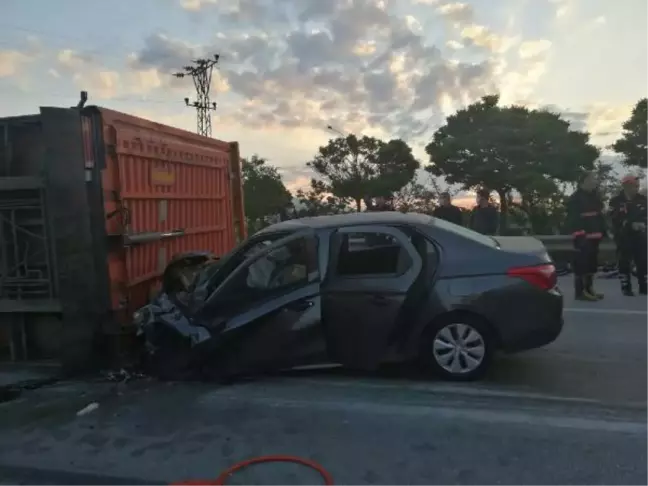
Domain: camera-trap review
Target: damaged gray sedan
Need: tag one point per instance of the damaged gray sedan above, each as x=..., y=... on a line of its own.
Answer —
x=357, y=290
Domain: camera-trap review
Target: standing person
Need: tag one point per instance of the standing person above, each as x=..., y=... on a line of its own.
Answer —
x=484, y=218
x=447, y=211
x=628, y=212
x=586, y=223
x=381, y=204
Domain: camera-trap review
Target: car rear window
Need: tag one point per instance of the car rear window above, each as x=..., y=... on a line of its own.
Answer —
x=465, y=232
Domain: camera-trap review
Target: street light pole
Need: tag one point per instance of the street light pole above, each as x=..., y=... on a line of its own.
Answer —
x=335, y=130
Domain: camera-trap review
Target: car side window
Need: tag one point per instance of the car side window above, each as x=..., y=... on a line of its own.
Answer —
x=214, y=279
x=286, y=267
x=371, y=254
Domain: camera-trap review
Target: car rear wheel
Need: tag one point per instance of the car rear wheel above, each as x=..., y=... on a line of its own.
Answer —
x=459, y=349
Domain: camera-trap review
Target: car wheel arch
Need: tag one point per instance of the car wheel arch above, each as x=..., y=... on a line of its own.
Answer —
x=462, y=315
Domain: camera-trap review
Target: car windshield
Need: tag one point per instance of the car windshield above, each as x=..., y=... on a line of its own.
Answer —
x=466, y=233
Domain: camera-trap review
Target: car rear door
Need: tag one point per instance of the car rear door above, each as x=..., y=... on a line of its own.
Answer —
x=372, y=269
x=269, y=326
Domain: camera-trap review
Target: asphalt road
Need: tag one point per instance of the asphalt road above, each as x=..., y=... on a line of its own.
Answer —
x=571, y=413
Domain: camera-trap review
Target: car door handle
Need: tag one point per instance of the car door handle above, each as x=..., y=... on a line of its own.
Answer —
x=301, y=305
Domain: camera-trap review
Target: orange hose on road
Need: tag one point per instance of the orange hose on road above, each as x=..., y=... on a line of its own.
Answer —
x=224, y=476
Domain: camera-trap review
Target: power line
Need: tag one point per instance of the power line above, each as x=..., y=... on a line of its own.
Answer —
x=201, y=73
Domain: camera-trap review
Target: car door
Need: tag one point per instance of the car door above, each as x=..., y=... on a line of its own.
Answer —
x=267, y=325
x=372, y=269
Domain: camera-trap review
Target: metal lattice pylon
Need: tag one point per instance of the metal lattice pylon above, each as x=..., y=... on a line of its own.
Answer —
x=201, y=73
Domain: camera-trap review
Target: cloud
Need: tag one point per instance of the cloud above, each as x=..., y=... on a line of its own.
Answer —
x=602, y=120
x=456, y=12
x=139, y=78
x=71, y=61
x=196, y=5
x=293, y=67
x=360, y=66
x=12, y=62
x=364, y=66
x=562, y=8
x=533, y=49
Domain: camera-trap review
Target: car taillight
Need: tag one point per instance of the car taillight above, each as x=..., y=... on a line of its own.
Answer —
x=541, y=276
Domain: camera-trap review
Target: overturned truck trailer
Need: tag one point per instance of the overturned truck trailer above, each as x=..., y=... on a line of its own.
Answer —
x=93, y=205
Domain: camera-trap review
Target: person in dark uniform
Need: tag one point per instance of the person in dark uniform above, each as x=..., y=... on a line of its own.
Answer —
x=628, y=212
x=380, y=203
x=586, y=224
x=447, y=211
x=484, y=218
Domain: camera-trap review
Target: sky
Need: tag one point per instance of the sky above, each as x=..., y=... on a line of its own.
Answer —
x=290, y=68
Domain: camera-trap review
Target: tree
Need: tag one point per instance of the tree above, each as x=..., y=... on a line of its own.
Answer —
x=264, y=192
x=414, y=197
x=608, y=180
x=508, y=148
x=317, y=202
x=358, y=168
x=633, y=144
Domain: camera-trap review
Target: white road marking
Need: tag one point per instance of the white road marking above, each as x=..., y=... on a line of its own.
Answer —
x=621, y=312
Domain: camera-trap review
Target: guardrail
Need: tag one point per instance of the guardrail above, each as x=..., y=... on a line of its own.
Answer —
x=561, y=248
x=564, y=243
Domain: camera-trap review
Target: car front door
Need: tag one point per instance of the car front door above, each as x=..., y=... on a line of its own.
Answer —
x=371, y=271
x=269, y=308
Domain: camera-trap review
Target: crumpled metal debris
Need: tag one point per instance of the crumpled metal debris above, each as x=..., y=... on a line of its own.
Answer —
x=122, y=375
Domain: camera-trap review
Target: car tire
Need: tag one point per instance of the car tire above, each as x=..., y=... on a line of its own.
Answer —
x=457, y=348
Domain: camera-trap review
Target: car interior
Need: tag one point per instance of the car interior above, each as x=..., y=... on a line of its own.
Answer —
x=371, y=254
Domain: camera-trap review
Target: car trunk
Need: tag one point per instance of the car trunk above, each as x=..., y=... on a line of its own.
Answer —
x=526, y=245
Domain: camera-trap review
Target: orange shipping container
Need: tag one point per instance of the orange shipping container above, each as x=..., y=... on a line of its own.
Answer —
x=173, y=190
x=101, y=202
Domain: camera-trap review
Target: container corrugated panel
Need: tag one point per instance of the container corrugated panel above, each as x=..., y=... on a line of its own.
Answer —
x=162, y=179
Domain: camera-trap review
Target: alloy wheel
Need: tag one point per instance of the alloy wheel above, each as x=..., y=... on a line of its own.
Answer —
x=459, y=348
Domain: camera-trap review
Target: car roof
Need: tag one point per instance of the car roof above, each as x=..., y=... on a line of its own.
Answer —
x=351, y=219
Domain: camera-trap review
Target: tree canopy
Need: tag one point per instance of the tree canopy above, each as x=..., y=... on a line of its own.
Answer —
x=414, y=197
x=509, y=148
x=263, y=190
x=609, y=184
x=633, y=144
x=358, y=168
x=317, y=202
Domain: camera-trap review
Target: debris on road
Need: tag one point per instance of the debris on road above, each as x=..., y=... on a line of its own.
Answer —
x=88, y=409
